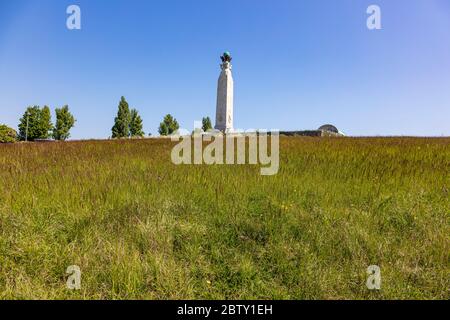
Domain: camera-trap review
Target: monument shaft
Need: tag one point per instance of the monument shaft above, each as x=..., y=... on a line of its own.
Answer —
x=225, y=92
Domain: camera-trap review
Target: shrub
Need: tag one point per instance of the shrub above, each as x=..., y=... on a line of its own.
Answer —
x=7, y=134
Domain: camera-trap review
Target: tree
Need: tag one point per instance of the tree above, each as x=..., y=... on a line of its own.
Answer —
x=35, y=124
x=163, y=129
x=121, y=128
x=64, y=122
x=168, y=126
x=28, y=124
x=45, y=123
x=7, y=134
x=206, y=124
x=136, y=124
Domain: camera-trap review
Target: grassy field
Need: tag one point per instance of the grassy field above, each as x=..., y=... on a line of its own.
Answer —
x=140, y=227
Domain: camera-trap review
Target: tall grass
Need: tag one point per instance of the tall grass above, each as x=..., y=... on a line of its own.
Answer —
x=140, y=227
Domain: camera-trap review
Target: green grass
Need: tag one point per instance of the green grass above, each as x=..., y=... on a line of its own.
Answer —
x=140, y=227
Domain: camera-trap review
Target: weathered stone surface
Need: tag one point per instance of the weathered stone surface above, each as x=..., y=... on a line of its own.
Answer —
x=225, y=96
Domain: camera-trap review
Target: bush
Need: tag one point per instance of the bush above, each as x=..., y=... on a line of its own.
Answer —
x=7, y=134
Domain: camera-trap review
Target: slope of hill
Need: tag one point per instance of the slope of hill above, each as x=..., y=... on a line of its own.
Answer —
x=140, y=227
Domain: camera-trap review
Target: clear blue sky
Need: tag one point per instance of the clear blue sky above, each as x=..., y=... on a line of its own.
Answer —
x=298, y=64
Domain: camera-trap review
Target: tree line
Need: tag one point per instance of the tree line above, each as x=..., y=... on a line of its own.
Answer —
x=129, y=124
x=36, y=124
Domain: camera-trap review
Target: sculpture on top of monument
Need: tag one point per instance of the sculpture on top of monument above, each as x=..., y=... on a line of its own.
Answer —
x=226, y=57
x=225, y=92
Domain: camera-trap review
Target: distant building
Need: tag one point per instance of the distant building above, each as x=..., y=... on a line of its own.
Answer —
x=326, y=130
x=329, y=128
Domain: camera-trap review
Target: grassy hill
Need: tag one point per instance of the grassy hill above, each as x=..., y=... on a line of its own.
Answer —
x=140, y=227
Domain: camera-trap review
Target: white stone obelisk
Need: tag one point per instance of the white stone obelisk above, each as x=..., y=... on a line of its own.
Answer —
x=224, y=109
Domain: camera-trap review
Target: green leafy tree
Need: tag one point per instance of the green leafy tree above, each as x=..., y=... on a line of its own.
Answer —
x=163, y=129
x=206, y=124
x=7, y=134
x=121, y=128
x=46, y=125
x=168, y=126
x=64, y=122
x=28, y=124
x=35, y=124
x=136, y=127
